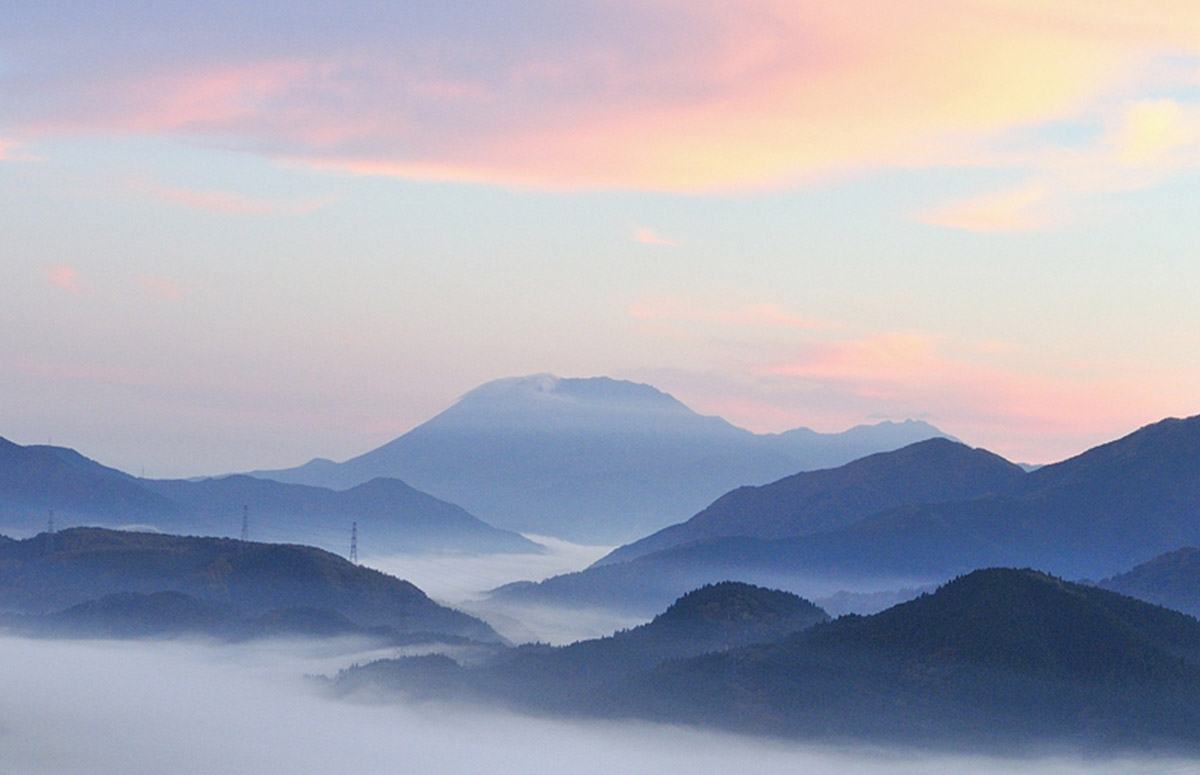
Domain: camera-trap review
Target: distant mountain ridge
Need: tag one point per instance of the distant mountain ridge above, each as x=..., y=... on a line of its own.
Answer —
x=1091, y=516
x=1171, y=579
x=592, y=459
x=809, y=502
x=392, y=517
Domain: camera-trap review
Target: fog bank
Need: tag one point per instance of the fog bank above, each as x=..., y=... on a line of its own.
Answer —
x=127, y=707
x=462, y=581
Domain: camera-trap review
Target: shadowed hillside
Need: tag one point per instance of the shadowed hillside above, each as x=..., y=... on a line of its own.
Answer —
x=50, y=572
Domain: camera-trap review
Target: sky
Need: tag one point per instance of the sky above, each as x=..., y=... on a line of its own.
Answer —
x=239, y=235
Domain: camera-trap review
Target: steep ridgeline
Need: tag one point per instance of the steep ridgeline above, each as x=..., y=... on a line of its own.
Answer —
x=392, y=516
x=1171, y=580
x=1088, y=517
x=993, y=657
x=713, y=618
x=595, y=460
x=54, y=571
x=930, y=471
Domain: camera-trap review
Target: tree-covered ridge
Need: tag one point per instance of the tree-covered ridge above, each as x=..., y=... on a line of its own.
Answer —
x=50, y=572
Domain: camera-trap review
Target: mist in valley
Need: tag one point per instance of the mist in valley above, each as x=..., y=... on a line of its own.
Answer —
x=464, y=580
x=192, y=707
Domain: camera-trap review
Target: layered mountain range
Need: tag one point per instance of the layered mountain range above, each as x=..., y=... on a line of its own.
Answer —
x=595, y=460
x=915, y=516
x=391, y=516
x=994, y=658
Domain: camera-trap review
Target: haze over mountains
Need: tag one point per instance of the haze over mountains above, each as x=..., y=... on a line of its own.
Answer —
x=391, y=516
x=1091, y=516
x=997, y=657
x=595, y=460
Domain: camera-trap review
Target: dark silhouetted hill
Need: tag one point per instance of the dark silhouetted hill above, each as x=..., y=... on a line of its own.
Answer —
x=995, y=656
x=49, y=572
x=715, y=617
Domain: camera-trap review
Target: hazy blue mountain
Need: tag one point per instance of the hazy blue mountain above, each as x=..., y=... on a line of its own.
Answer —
x=815, y=501
x=712, y=618
x=594, y=459
x=392, y=516
x=53, y=571
x=35, y=479
x=1088, y=517
x=1171, y=580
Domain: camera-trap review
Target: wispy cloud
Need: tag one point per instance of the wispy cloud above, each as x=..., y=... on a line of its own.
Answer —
x=1015, y=209
x=228, y=202
x=1144, y=143
x=64, y=277
x=647, y=236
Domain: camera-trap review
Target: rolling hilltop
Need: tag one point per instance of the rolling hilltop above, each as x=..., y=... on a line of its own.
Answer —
x=55, y=571
x=996, y=658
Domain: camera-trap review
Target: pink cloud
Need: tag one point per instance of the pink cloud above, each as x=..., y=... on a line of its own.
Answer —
x=1145, y=142
x=64, y=277
x=228, y=202
x=1025, y=411
x=774, y=93
x=647, y=236
x=1015, y=209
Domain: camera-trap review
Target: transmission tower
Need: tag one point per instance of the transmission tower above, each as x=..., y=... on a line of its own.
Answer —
x=354, y=543
x=50, y=522
x=245, y=523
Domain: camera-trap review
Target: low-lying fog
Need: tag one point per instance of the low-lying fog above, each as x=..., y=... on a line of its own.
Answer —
x=462, y=581
x=140, y=707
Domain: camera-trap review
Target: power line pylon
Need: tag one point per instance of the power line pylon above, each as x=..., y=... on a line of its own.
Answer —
x=245, y=523
x=354, y=543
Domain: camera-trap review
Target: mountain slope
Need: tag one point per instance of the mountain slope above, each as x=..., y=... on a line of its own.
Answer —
x=712, y=618
x=1088, y=517
x=35, y=479
x=392, y=516
x=1171, y=580
x=995, y=656
x=815, y=501
x=50, y=572
x=595, y=460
